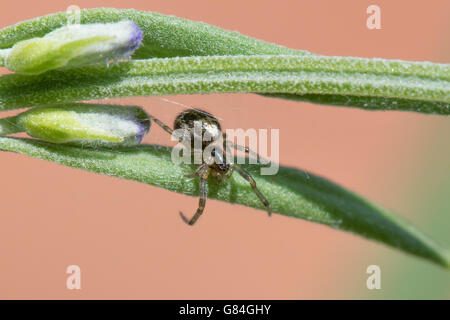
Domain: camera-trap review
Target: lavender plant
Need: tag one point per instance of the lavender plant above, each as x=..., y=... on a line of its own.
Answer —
x=56, y=65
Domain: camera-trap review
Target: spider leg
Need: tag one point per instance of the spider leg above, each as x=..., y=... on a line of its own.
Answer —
x=161, y=124
x=202, y=172
x=244, y=174
x=201, y=204
x=247, y=150
x=229, y=173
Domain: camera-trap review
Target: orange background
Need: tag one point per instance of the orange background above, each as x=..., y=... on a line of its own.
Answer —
x=128, y=238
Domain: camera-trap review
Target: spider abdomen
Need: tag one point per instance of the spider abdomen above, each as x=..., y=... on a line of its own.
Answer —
x=199, y=125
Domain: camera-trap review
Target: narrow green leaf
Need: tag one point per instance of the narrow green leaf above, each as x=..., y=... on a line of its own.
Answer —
x=374, y=84
x=291, y=192
x=164, y=36
x=380, y=84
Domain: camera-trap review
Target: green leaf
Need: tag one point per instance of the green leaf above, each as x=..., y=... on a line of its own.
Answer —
x=374, y=84
x=381, y=84
x=164, y=36
x=291, y=192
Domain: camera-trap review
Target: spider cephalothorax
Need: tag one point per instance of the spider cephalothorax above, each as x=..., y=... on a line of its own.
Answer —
x=197, y=124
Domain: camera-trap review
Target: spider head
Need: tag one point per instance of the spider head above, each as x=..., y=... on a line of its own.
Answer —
x=222, y=167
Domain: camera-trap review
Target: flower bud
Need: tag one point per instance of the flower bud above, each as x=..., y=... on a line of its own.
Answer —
x=75, y=45
x=86, y=124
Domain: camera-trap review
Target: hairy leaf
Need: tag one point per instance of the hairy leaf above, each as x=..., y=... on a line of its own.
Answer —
x=291, y=192
x=164, y=36
x=380, y=84
x=366, y=83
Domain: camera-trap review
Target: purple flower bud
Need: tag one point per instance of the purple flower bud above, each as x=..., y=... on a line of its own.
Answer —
x=75, y=45
x=85, y=124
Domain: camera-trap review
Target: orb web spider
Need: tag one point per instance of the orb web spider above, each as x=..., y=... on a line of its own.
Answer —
x=222, y=170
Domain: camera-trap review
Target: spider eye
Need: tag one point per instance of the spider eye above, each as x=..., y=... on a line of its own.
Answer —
x=224, y=167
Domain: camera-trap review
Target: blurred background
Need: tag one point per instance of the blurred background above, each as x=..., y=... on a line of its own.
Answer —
x=128, y=238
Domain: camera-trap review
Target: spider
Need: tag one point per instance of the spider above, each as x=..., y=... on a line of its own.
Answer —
x=223, y=169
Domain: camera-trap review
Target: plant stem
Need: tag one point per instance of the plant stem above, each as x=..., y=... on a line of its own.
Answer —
x=9, y=126
x=380, y=84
